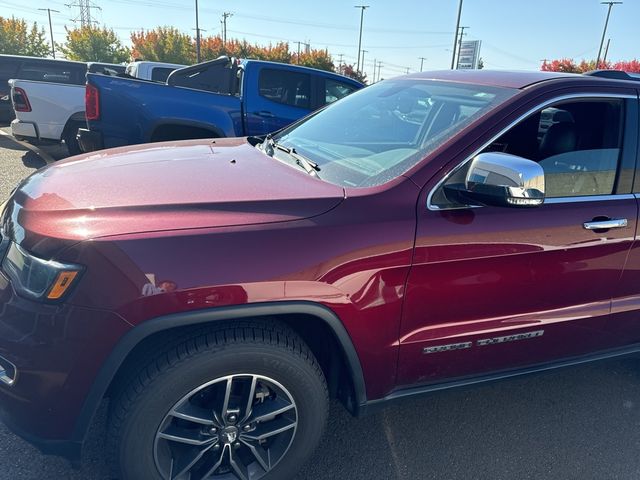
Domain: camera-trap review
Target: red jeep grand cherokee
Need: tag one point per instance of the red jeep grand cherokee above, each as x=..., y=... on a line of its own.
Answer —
x=427, y=232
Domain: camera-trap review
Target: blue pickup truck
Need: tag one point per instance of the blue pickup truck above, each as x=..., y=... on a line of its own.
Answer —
x=220, y=98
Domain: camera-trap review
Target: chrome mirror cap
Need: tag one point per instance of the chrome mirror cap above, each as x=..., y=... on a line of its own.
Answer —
x=496, y=178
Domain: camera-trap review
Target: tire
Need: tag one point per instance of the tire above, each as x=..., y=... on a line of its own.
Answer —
x=71, y=140
x=265, y=362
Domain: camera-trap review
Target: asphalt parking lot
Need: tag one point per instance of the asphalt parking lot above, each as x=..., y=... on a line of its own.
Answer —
x=577, y=423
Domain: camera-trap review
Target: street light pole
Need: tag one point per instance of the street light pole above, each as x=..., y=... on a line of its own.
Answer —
x=53, y=47
x=604, y=32
x=197, y=36
x=455, y=35
x=362, y=9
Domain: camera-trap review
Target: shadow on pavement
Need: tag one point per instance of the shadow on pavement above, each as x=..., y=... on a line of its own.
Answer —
x=10, y=143
x=32, y=160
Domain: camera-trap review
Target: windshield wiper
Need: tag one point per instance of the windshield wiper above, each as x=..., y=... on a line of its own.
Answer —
x=269, y=145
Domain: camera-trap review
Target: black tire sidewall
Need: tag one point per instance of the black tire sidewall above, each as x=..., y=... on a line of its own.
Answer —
x=301, y=378
x=71, y=140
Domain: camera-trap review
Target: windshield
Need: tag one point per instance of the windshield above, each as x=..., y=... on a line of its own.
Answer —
x=378, y=133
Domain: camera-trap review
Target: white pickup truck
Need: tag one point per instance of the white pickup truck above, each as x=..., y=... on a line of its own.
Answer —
x=49, y=112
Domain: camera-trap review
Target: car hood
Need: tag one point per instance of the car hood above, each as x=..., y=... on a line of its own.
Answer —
x=163, y=186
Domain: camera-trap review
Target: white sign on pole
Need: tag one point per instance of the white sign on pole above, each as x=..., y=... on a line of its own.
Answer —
x=469, y=55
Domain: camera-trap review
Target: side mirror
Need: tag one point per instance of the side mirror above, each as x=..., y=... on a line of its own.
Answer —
x=501, y=180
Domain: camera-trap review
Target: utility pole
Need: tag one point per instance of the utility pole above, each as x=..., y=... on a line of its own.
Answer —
x=455, y=36
x=407, y=70
x=363, y=52
x=422, y=59
x=375, y=62
x=197, y=35
x=340, y=62
x=362, y=9
x=379, y=68
x=606, y=51
x=53, y=45
x=225, y=15
x=462, y=29
x=604, y=32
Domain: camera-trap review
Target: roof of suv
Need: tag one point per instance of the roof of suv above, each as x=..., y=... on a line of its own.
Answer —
x=505, y=78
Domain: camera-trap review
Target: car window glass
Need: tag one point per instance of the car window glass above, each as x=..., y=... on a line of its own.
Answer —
x=379, y=132
x=335, y=90
x=577, y=143
x=289, y=88
x=8, y=68
x=160, y=74
x=52, y=72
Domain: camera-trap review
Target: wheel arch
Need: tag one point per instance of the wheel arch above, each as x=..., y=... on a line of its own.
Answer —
x=162, y=131
x=78, y=117
x=291, y=309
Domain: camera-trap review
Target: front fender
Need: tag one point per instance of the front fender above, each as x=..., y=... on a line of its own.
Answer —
x=136, y=335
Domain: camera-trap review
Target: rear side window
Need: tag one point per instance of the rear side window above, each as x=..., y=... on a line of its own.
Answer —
x=160, y=74
x=334, y=90
x=289, y=88
x=52, y=72
x=8, y=68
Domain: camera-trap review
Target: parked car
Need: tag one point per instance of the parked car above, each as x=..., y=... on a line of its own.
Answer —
x=156, y=71
x=219, y=98
x=34, y=68
x=106, y=68
x=414, y=236
x=48, y=112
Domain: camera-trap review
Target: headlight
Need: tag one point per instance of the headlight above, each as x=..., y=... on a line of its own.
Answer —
x=35, y=278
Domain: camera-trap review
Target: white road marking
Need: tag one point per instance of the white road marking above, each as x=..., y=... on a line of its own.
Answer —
x=41, y=153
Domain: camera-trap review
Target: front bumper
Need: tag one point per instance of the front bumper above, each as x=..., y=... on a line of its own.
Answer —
x=89, y=140
x=22, y=130
x=57, y=351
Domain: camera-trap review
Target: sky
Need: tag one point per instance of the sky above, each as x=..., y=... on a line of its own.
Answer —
x=515, y=34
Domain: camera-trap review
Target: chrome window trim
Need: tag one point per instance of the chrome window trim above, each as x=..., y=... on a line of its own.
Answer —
x=509, y=127
x=590, y=198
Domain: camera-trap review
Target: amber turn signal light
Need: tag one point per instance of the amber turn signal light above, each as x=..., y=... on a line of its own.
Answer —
x=62, y=283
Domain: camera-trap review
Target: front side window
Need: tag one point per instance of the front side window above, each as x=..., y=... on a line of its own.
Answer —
x=578, y=143
x=334, y=90
x=289, y=88
x=379, y=132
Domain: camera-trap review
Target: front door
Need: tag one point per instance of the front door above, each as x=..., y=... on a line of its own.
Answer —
x=494, y=288
x=283, y=97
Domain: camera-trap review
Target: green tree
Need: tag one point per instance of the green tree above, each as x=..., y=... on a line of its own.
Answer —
x=163, y=44
x=94, y=44
x=16, y=38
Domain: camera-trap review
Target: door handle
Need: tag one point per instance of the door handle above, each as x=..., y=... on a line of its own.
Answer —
x=605, y=224
x=264, y=113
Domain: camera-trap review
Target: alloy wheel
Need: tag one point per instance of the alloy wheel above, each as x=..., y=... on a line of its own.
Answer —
x=234, y=427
